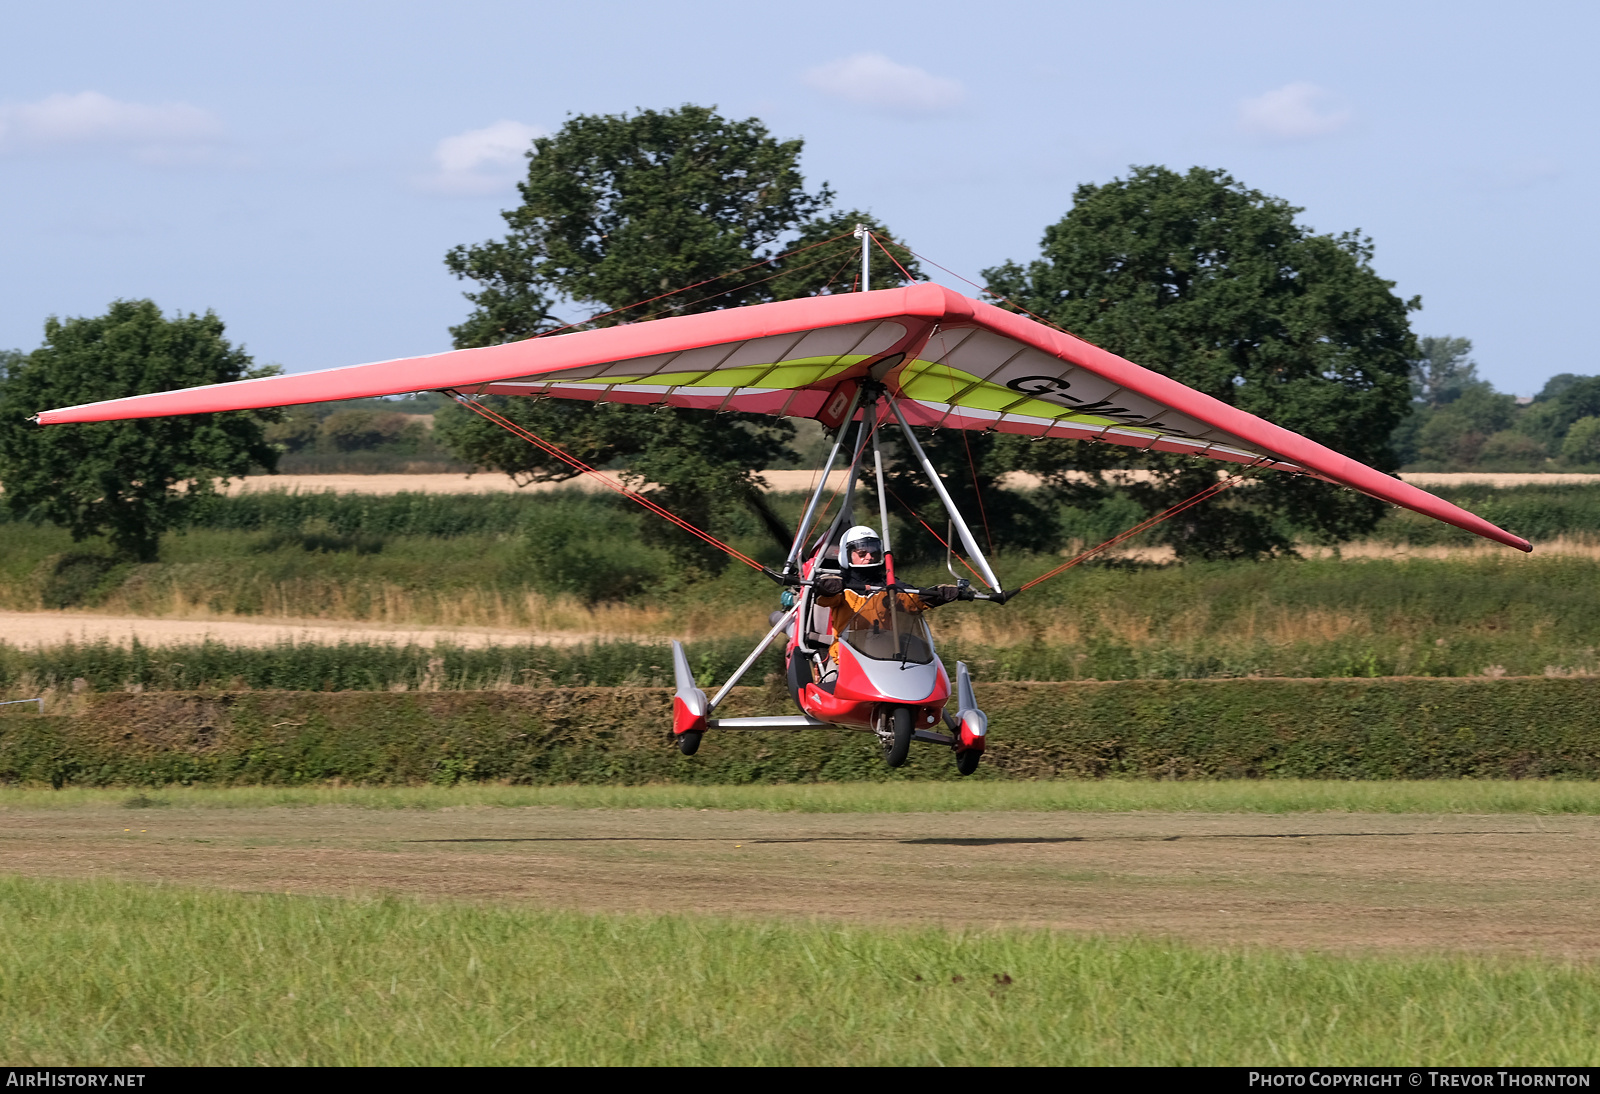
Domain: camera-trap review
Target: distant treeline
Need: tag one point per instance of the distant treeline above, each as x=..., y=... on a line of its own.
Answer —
x=1537, y=512
x=363, y=436
x=1459, y=422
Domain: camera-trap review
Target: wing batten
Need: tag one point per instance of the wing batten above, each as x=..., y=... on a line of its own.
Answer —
x=979, y=381
x=955, y=397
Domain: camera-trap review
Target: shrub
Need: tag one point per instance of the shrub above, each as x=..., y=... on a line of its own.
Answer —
x=1582, y=443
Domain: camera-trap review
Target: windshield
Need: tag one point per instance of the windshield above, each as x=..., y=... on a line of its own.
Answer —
x=884, y=630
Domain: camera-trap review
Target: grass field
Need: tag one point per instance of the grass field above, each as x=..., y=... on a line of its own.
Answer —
x=1276, y=796
x=125, y=975
x=1259, y=923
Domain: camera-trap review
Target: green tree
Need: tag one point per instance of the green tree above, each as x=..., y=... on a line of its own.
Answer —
x=1455, y=434
x=1581, y=446
x=10, y=360
x=1511, y=450
x=127, y=480
x=1564, y=400
x=1440, y=432
x=1443, y=370
x=618, y=209
x=1406, y=440
x=1557, y=384
x=1198, y=277
x=363, y=428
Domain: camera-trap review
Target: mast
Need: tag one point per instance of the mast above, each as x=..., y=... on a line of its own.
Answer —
x=869, y=406
x=866, y=256
x=883, y=509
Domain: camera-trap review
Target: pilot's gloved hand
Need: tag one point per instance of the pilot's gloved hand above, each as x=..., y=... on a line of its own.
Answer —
x=944, y=594
x=829, y=585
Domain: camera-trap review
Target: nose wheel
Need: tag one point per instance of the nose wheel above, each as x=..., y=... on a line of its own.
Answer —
x=894, y=728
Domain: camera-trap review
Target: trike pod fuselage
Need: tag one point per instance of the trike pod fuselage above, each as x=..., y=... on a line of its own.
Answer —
x=864, y=685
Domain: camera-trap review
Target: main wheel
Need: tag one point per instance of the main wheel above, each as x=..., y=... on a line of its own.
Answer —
x=898, y=747
x=689, y=743
x=967, y=760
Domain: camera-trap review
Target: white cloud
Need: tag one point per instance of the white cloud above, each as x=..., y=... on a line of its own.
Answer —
x=872, y=80
x=481, y=161
x=1292, y=112
x=90, y=121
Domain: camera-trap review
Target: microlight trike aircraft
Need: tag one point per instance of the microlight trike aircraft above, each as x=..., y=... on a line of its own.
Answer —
x=857, y=647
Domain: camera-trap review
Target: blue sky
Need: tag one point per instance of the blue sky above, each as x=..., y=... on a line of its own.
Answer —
x=301, y=168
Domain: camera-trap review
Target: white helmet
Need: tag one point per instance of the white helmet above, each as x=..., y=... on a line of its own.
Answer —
x=861, y=539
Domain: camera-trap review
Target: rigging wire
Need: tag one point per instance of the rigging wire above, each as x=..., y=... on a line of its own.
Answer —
x=977, y=490
x=697, y=284
x=1149, y=522
x=1121, y=537
x=987, y=290
x=736, y=288
x=652, y=506
x=904, y=272
x=554, y=450
x=942, y=542
x=848, y=259
x=534, y=439
x=850, y=472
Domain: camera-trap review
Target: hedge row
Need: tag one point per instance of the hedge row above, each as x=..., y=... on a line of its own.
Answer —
x=1406, y=728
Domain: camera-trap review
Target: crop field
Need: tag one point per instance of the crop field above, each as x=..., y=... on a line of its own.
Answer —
x=1464, y=615
x=1032, y=924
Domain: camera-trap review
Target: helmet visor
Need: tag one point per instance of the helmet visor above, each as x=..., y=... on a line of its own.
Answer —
x=865, y=552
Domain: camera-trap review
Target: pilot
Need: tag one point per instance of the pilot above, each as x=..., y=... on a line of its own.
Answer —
x=846, y=594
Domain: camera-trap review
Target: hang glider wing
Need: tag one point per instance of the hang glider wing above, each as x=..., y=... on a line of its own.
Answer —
x=951, y=361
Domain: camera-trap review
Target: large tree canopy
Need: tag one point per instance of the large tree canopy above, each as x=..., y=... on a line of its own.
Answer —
x=121, y=479
x=618, y=209
x=1200, y=278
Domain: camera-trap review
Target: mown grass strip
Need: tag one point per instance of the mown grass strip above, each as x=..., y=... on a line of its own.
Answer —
x=123, y=975
x=1530, y=796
